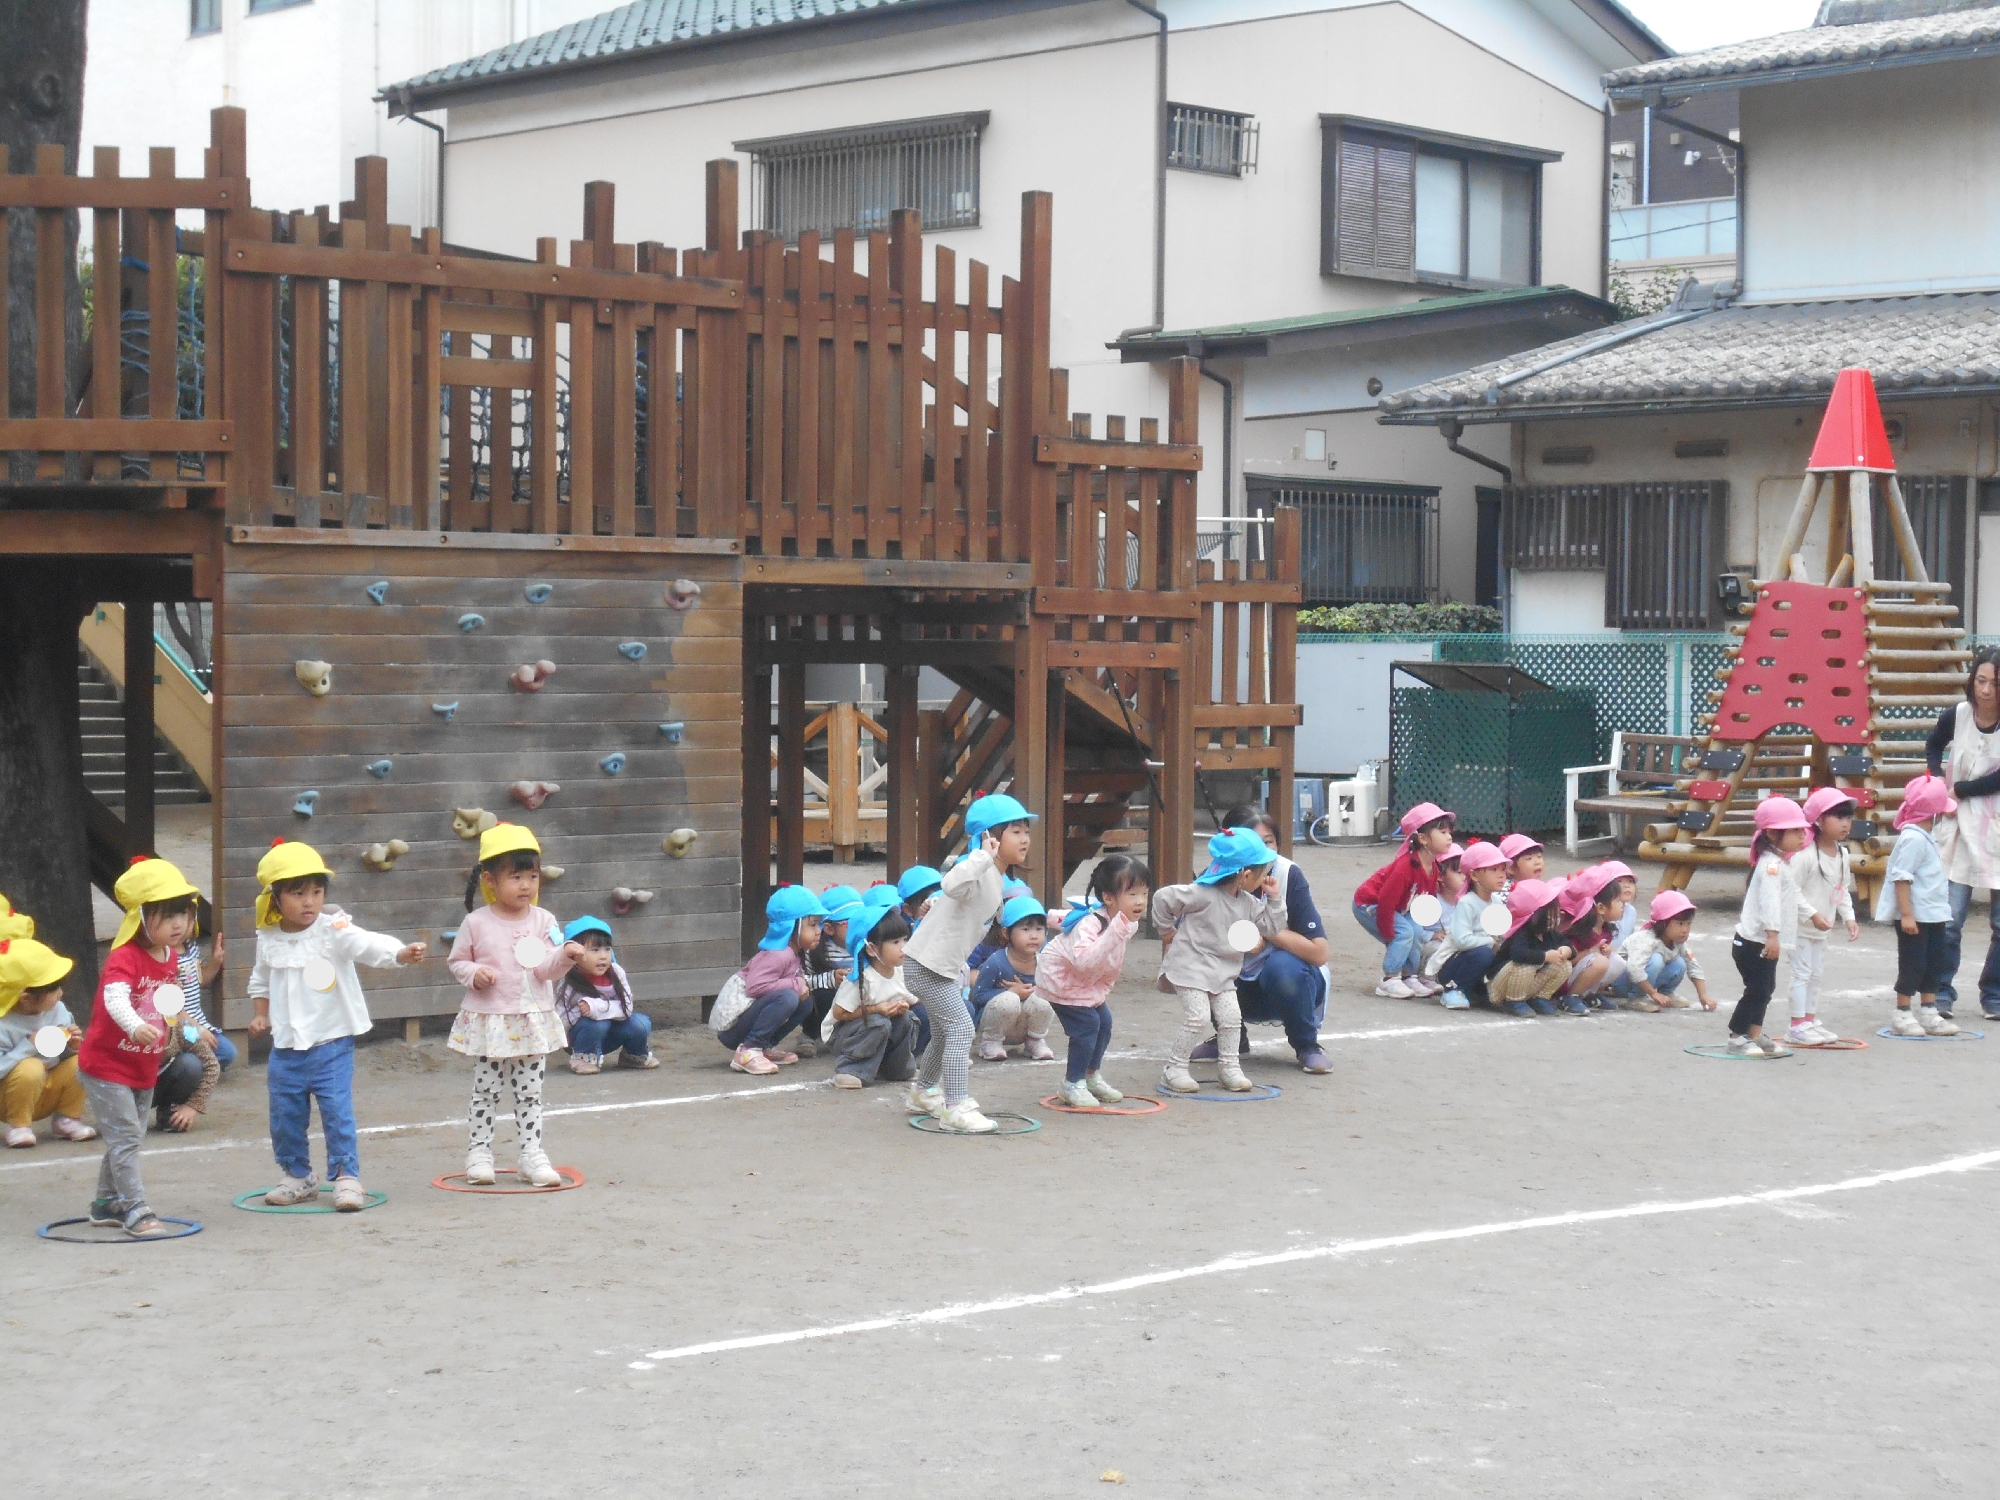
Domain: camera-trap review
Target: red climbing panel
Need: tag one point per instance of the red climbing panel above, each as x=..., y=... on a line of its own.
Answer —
x=1803, y=663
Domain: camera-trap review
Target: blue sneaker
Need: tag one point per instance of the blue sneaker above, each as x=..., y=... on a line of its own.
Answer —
x=1576, y=1007
x=1541, y=1007
x=1453, y=999
x=1517, y=1008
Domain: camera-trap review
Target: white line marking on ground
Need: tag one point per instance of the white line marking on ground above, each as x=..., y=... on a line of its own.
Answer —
x=1229, y=1264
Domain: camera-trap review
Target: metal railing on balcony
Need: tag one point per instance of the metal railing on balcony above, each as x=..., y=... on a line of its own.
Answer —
x=1697, y=228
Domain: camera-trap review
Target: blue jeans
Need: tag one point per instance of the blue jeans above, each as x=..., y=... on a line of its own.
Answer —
x=768, y=1021
x=1403, y=947
x=1290, y=990
x=297, y=1078
x=1662, y=973
x=921, y=1016
x=601, y=1038
x=1088, y=1028
x=225, y=1050
x=1954, y=934
x=1466, y=972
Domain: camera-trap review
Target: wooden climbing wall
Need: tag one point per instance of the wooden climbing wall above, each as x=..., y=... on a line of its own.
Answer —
x=288, y=597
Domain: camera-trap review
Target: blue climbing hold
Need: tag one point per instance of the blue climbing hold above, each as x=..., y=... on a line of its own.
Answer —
x=380, y=768
x=613, y=763
x=304, y=805
x=470, y=622
x=673, y=731
x=379, y=591
x=632, y=650
x=450, y=934
x=538, y=593
x=445, y=710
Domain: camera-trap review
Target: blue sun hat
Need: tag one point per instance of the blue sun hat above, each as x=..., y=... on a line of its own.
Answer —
x=917, y=878
x=1020, y=909
x=860, y=925
x=787, y=906
x=994, y=811
x=575, y=931
x=881, y=897
x=1009, y=889
x=841, y=902
x=1233, y=851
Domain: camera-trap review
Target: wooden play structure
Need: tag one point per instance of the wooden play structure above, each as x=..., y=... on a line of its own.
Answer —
x=1833, y=682
x=471, y=524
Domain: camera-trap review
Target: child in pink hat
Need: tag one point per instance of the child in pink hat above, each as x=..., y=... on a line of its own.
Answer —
x=1382, y=904
x=1534, y=961
x=1825, y=878
x=1525, y=860
x=1467, y=951
x=1657, y=958
x=1916, y=897
x=1591, y=906
x=1769, y=924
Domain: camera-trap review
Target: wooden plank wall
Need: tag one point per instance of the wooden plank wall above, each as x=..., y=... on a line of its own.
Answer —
x=287, y=601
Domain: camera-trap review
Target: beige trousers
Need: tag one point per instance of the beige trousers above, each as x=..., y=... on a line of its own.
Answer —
x=1519, y=982
x=1203, y=1011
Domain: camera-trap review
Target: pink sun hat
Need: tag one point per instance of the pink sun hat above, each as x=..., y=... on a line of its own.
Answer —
x=1666, y=906
x=1776, y=814
x=1418, y=816
x=1824, y=800
x=1529, y=897
x=1481, y=856
x=1924, y=797
x=1517, y=844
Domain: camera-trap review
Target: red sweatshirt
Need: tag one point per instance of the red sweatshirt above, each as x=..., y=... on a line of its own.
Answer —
x=1390, y=888
x=130, y=977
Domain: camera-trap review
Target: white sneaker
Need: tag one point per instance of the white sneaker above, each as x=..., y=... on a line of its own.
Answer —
x=1823, y=1034
x=1419, y=985
x=479, y=1166
x=1740, y=1046
x=1038, y=1050
x=1079, y=1096
x=1805, y=1034
x=964, y=1118
x=1905, y=1023
x=1935, y=1022
x=993, y=1051
x=534, y=1167
x=925, y=1101
x=1393, y=988
x=1103, y=1092
x=1232, y=1077
x=19, y=1137
x=1770, y=1047
x=293, y=1190
x=1176, y=1077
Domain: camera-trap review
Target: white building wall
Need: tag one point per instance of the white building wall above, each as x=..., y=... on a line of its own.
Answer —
x=1839, y=206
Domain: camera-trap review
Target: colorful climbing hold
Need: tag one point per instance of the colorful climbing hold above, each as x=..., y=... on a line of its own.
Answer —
x=538, y=593
x=673, y=731
x=316, y=677
x=384, y=856
x=470, y=622
x=470, y=822
x=551, y=874
x=682, y=593
x=633, y=650
x=380, y=768
x=679, y=842
x=445, y=710
x=378, y=591
x=528, y=678
x=613, y=763
x=532, y=794
x=305, y=803
x=624, y=898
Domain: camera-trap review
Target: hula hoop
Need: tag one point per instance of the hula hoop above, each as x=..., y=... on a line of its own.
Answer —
x=454, y=1182
x=192, y=1226
x=929, y=1125
x=248, y=1204
x=1957, y=1036
x=1839, y=1044
x=1723, y=1054
x=1258, y=1093
x=1126, y=1106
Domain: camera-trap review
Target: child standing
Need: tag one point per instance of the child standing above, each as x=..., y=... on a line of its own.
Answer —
x=1770, y=921
x=308, y=999
x=1657, y=958
x=508, y=954
x=1915, y=897
x=1200, y=965
x=1468, y=946
x=1005, y=1009
x=869, y=1025
x=1533, y=961
x=966, y=902
x=33, y=1087
x=1079, y=966
x=595, y=1003
x=1382, y=904
x=119, y=1060
x=1825, y=878
x=767, y=997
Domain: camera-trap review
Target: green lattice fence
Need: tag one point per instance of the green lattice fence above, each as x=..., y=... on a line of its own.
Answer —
x=1496, y=762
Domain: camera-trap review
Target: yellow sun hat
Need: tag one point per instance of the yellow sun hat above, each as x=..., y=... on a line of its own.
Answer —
x=27, y=965
x=148, y=881
x=14, y=924
x=503, y=838
x=286, y=859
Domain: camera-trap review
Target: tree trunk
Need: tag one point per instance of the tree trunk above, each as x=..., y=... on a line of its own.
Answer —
x=44, y=858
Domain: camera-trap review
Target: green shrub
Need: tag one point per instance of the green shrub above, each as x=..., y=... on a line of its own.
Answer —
x=1400, y=619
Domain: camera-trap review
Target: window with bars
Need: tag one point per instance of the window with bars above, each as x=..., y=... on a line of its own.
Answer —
x=1217, y=141
x=855, y=179
x=1659, y=545
x=1359, y=541
x=1936, y=507
x=1404, y=204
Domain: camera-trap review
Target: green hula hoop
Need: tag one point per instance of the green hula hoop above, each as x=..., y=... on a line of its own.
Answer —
x=251, y=1202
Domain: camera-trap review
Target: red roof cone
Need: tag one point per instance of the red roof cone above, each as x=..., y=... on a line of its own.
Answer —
x=1851, y=436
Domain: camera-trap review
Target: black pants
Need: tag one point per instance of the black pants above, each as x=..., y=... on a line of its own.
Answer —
x=1760, y=978
x=176, y=1085
x=1924, y=960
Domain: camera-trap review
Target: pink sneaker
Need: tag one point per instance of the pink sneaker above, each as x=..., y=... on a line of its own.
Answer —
x=781, y=1057
x=992, y=1051
x=1038, y=1050
x=73, y=1130
x=751, y=1060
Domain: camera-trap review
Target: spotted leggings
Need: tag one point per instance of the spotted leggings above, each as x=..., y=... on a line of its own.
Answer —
x=948, y=1058
x=523, y=1075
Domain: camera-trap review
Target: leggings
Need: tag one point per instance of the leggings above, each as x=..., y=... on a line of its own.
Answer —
x=1088, y=1028
x=524, y=1076
x=1760, y=978
x=947, y=1058
x=1203, y=1011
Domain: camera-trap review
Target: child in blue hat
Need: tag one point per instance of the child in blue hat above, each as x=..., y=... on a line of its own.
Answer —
x=1200, y=964
x=1005, y=1008
x=869, y=1026
x=766, y=999
x=967, y=900
x=916, y=888
x=594, y=1000
x=829, y=961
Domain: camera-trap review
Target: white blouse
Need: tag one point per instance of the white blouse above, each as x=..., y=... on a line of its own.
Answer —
x=303, y=1016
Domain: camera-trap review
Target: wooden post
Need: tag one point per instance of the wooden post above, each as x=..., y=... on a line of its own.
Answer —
x=1285, y=556
x=933, y=734
x=139, y=832
x=756, y=780
x=905, y=794
x=791, y=772
x=1861, y=527
x=1050, y=861
x=843, y=780
x=1795, y=527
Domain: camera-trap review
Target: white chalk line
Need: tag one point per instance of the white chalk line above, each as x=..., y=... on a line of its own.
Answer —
x=1229, y=1264
x=237, y=1143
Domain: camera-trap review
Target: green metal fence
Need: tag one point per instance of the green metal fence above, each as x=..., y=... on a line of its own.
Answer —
x=1494, y=760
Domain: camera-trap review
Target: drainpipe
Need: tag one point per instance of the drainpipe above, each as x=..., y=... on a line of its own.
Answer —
x=1228, y=423
x=403, y=109
x=1451, y=430
x=1159, y=181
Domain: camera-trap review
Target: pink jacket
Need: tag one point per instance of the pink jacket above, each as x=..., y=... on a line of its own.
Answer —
x=1079, y=967
x=772, y=969
x=485, y=937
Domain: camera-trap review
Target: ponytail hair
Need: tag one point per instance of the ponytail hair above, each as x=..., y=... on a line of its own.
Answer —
x=1115, y=874
x=512, y=861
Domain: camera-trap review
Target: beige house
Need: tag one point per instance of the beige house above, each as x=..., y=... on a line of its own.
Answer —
x=1652, y=459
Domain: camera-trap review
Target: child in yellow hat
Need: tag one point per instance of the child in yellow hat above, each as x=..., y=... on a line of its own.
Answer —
x=119, y=1062
x=308, y=998
x=509, y=953
x=33, y=1083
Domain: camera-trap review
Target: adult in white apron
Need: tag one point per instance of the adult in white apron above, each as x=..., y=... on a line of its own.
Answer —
x=1965, y=750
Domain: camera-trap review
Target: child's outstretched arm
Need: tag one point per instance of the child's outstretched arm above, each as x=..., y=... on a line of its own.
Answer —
x=376, y=950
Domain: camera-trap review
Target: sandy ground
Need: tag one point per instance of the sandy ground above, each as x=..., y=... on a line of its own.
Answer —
x=1483, y=1257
